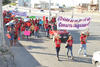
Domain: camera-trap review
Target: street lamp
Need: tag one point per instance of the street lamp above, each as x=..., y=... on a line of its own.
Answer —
x=72, y=10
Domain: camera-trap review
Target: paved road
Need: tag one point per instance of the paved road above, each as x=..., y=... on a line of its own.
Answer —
x=43, y=49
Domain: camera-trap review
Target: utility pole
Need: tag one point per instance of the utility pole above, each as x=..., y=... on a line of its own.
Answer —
x=30, y=6
x=72, y=10
x=2, y=38
x=49, y=10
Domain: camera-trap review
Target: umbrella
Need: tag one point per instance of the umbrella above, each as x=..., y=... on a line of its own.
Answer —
x=18, y=17
x=32, y=17
x=13, y=16
x=10, y=11
x=10, y=23
x=26, y=19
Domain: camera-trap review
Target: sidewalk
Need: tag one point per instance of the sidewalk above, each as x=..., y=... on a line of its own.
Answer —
x=23, y=59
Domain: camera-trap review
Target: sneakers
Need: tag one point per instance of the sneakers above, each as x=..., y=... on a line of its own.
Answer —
x=58, y=59
x=72, y=58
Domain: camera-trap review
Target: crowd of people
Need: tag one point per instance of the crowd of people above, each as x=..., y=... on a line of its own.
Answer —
x=19, y=29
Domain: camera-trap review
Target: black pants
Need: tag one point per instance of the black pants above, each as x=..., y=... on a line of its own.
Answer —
x=57, y=51
x=32, y=33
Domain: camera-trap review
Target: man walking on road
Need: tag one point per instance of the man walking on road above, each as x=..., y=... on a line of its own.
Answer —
x=83, y=39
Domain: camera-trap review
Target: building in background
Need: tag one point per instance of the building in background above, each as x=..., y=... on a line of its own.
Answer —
x=24, y=3
x=37, y=4
x=92, y=6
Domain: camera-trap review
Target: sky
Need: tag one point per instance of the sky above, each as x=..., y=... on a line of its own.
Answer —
x=69, y=2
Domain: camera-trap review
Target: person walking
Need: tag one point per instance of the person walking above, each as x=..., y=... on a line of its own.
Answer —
x=83, y=39
x=69, y=43
x=36, y=31
x=41, y=25
x=57, y=44
x=11, y=33
x=15, y=37
x=46, y=29
x=22, y=31
x=32, y=30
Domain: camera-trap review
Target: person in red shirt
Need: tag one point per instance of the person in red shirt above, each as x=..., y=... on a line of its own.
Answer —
x=46, y=29
x=28, y=24
x=15, y=36
x=33, y=22
x=8, y=28
x=46, y=26
x=57, y=44
x=22, y=28
x=47, y=20
x=22, y=31
x=69, y=43
x=36, y=31
x=53, y=20
x=83, y=39
x=36, y=21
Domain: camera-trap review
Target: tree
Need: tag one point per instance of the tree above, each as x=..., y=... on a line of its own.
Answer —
x=64, y=6
x=6, y=2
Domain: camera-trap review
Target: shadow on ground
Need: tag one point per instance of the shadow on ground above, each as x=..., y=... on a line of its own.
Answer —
x=35, y=47
x=52, y=54
x=82, y=60
x=87, y=60
x=23, y=58
x=38, y=40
